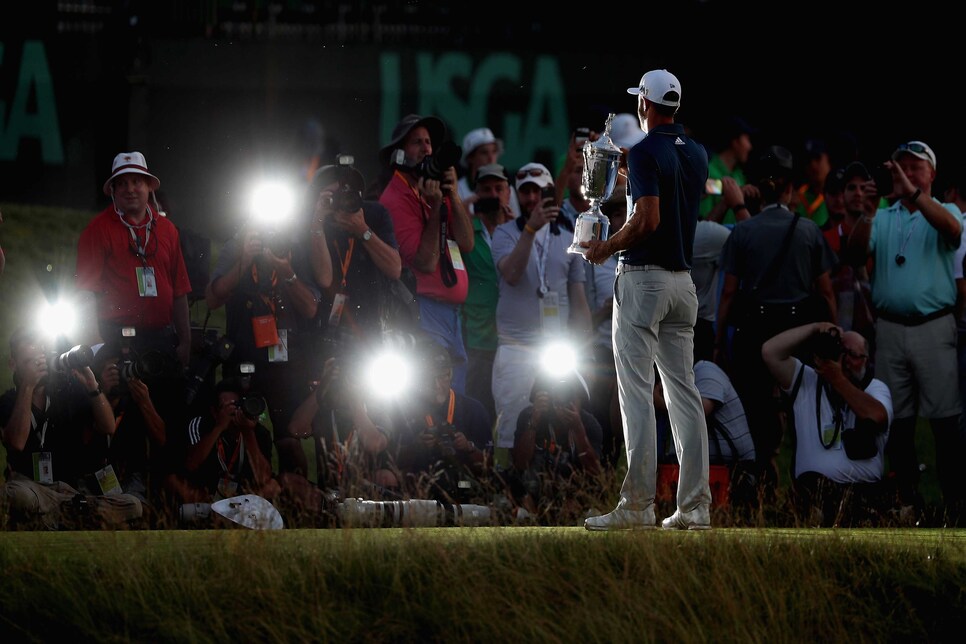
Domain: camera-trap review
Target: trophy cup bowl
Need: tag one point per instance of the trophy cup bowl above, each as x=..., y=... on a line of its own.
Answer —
x=601, y=161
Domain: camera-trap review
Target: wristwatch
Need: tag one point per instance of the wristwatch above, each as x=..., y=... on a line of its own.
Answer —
x=366, y=236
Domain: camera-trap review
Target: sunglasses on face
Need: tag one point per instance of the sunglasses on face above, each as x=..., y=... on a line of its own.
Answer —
x=533, y=172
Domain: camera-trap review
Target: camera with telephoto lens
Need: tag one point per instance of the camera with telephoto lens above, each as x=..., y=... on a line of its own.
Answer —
x=251, y=406
x=76, y=357
x=151, y=365
x=435, y=165
x=827, y=345
x=214, y=351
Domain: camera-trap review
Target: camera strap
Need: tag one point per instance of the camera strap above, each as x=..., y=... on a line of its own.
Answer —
x=449, y=411
x=446, y=271
x=838, y=415
x=42, y=434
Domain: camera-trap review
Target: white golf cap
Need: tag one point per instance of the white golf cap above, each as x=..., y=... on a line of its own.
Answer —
x=659, y=86
x=625, y=130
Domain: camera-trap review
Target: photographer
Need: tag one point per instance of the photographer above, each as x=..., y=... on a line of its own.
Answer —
x=227, y=452
x=556, y=449
x=442, y=436
x=841, y=417
x=350, y=440
x=53, y=423
x=432, y=226
x=264, y=279
x=137, y=447
x=354, y=253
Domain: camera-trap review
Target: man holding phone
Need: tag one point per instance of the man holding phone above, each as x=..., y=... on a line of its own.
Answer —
x=541, y=296
x=492, y=208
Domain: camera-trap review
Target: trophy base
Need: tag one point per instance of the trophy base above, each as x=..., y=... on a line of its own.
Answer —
x=590, y=225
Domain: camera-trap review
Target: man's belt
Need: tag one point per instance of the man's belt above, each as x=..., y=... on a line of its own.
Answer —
x=914, y=320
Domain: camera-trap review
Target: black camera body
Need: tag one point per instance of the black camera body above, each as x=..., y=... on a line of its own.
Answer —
x=251, y=406
x=488, y=206
x=827, y=345
x=214, y=351
x=435, y=165
x=345, y=199
x=277, y=241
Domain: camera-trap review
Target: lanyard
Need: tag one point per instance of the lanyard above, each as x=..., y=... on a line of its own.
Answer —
x=543, y=249
x=449, y=411
x=269, y=301
x=345, y=262
x=552, y=447
x=33, y=422
x=239, y=456
x=340, y=450
x=903, y=242
x=134, y=236
x=810, y=208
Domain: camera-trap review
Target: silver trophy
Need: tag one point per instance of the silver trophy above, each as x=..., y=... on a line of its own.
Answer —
x=601, y=160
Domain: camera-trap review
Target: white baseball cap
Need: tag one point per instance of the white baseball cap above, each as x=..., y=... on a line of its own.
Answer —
x=659, y=86
x=625, y=130
x=476, y=138
x=534, y=173
x=917, y=149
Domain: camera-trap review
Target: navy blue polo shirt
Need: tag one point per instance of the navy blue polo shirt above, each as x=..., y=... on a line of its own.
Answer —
x=669, y=165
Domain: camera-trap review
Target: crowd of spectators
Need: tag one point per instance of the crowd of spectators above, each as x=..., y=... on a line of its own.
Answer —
x=829, y=305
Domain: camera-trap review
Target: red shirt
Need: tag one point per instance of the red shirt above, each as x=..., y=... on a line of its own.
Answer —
x=409, y=213
x=107, y=263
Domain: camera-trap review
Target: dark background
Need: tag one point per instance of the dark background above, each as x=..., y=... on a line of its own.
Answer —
x=215, y=91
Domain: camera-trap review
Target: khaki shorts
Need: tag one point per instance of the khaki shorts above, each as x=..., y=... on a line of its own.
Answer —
x=41, y=503
x=919, y=365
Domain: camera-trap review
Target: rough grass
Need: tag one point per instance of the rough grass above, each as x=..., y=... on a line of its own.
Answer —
x=484, y=584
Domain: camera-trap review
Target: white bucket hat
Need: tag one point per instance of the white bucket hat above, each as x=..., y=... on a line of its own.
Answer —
x=130, y=163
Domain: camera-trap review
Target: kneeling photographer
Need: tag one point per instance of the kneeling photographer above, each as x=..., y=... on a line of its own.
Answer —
x=840, y=415
x=444, y=438
x=54, y=424
x=225, y=452
x=135, y=388
x=556, y=450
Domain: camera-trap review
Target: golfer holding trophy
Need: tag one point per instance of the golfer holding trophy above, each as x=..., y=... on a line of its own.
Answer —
x=655, y=308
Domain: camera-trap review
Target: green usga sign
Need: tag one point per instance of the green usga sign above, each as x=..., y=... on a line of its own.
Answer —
x=22, y=119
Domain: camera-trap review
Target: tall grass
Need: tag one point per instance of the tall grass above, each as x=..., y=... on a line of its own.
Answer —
x=483, y=585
